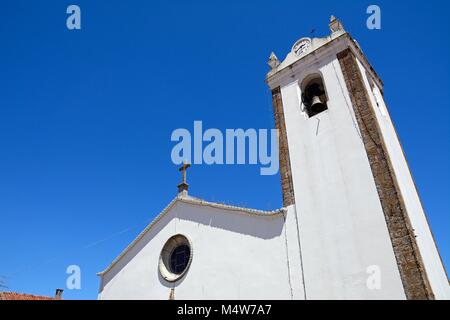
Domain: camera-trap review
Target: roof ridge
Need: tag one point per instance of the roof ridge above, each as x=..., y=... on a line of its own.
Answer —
x=224, y=205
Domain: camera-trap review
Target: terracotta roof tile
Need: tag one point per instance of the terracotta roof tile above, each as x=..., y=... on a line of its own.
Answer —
x=23, y=296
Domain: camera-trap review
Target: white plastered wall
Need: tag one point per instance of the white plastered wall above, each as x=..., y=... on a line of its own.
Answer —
x=427, y=247
x=235, y=256
x=343, y=232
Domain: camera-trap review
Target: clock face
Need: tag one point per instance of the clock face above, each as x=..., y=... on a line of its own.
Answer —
x=301, y=46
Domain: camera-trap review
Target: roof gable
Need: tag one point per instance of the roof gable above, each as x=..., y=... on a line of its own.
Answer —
x=184, y=198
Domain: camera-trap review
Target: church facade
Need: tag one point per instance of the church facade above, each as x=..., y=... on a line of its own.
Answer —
x=351, y=227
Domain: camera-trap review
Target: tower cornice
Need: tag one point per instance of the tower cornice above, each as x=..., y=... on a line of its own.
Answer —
x=332, y=45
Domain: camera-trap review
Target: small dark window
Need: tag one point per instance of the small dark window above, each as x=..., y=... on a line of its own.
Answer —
x=314, y=97
x=179, y=259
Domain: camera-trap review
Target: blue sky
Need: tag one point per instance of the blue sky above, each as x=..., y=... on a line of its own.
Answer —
x=86, y=116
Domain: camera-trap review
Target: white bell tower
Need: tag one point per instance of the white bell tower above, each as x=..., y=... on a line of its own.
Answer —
x=361, y=230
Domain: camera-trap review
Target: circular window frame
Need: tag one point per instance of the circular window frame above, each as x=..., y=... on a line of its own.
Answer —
x=166, y=253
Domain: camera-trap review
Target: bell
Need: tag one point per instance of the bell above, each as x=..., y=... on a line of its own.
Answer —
x=317, y=105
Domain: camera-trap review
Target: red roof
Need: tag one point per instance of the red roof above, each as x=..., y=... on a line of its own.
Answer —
x=23, y=296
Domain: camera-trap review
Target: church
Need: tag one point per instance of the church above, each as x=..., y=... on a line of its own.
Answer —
x=351, y=225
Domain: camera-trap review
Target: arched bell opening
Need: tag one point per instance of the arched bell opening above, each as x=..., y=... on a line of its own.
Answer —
x=314, y=97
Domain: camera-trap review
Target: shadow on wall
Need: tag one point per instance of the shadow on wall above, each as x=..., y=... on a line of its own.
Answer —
x=263, y=227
